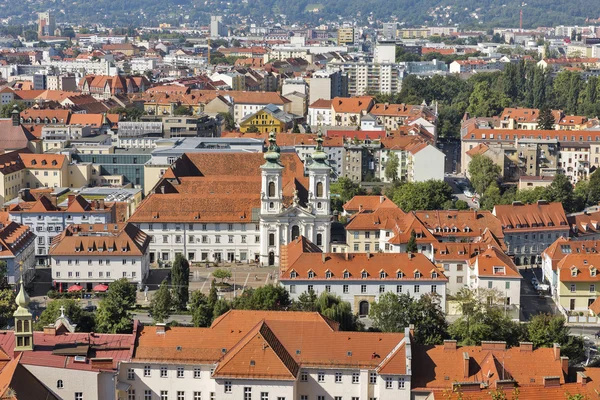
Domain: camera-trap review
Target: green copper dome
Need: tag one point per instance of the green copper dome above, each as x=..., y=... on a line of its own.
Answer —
x=272, y=154
x=319, y=155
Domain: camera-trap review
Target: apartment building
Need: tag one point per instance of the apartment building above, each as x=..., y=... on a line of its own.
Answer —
x=359, y=278
x=530, y=228
x=93, y=254
x=578, y=282
x=393, y=116
x=366, y=77
x=17, y=249
x=54, y=171
x=47, y=220
x=266, y=355
x=319, y=113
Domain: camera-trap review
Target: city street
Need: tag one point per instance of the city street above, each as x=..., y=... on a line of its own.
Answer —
x=532, y=302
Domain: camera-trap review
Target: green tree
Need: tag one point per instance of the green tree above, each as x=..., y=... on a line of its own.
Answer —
x=546, y=119
x=342, y=191
x=220, y=308
x=428, y=195
x=332, y=307
x=307, y=301
x=593, y=195
x=391, y=167
x=83, y=320
x=3, y=274
x=7, y=109
x=296, y=127
x=491, y=197
x=180, y=281
x=411, y=245
x=114, y=311
x=182, y=110
x=228, y=121
x=161, y=303
x=268, y=297
x=213, y=295
x=561, y=191
x=530, y=196
x=482, y=172
x=222, y=274
x=202, y=311
x=544, y=330
x=7, y=306
x=392, y=313
x=252, y=129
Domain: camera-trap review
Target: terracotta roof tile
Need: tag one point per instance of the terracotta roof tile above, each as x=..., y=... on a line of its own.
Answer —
x=368, y=203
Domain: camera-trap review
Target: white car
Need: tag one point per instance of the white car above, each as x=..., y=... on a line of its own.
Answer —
x=467, y=192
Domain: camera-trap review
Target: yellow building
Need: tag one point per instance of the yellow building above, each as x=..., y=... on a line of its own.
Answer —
x=12, y=174
x=345, y=36
x=269, y=119
x=54, y=170
x=578, y=281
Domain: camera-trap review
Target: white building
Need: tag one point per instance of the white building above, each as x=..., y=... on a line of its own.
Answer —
x=82, y=66
x=17, y=249
x=48, y=220
x=359, y=278
x=319, y=113
x=217, y=27
x=234, y=207
x=141, y=65
x=87, y=255
x=267, y=355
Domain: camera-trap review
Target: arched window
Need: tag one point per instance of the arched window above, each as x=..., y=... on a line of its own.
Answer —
x=320, y=189
x=295, y=232
x=26, y=326
x=59, y=384
x=271, y=239
x=271, y=189
x=19, y=326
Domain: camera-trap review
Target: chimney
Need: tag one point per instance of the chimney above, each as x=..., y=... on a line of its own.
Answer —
x=161, y=328
x=556, y=348
x=323, y=258
x=368, y=256
x=50, y=330
x=526, y=346
x=466, y=361
x=449, y=344
x=493, y=345
x=360, y=208
x=71, y=199
x=54, y=199
x=101, y=204
x=24, y=194
x=347, y=256
x=582, y=378
x=410, y=255
x=564, y=363
x=381, y=199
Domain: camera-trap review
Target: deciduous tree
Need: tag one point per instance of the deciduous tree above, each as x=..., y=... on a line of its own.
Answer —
x=114, y=311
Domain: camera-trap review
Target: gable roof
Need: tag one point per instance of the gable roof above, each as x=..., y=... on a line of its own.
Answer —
x=531, y=217
x=353, y=105
x=368, y=203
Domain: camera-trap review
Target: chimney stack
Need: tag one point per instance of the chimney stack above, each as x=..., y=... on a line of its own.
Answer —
x=556, y=348
x=323, y=258
x=161, y=328
x=564, y=363
x=582, y=378
x=101, y=204
x=368, y=256
x=70, y=199
x=449, y=344
x=410, y=255
x=526, y=346
x=360, y=208
x=466, y=361
x=381, y=199
x=347, y=256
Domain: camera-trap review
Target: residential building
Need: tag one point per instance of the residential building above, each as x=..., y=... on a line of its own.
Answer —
x=345, y=36
x=476, y=65
x=17, y=249
x=418, y=161
x=127, y=164
x=46, y=24
x=468, y=369
x=530, y=228
x=327, y=85
x=217, y=27
x=578, y=282
x=234, y=207
x=13, y=174
x=394, y=116
x=246, y=103
x=366, y=203
x=359, y=278
x=105, y=86
x=93, y=254
x=54, y=171
x=269, y=119
x=47, y=220
x=319, y=113
x=584, y=225
x=557, y=251
x=366, y=77
x=349, y=111
x=283, y=354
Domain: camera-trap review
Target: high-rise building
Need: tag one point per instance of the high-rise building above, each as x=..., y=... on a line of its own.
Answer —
x=46, y=24
x=345, y=36
x=385, y=52
x=390, y=31
x=217, y=27
x=328, y=84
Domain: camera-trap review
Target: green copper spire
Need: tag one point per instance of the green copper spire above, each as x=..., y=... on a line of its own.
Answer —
x=272, y=154
x=319, y=155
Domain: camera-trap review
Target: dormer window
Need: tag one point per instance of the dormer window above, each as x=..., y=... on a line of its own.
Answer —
x=33, y=162
x=434, y=275
x=54, y=162
x=311, y=274
x=382, y=275
x=346, y=274
x=293, y=274
x=574, y=272
x=364, y=275
x=592, y=271
x=499, y=270
x=399, y=275
x=417, y=274
x=328, y=274
x=44, y=162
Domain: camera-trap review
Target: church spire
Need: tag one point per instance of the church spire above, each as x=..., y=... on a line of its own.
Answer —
x=319, y=154
x=23, y=319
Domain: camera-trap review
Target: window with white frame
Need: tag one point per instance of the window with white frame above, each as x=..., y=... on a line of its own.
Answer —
x=147, y=370
x=338, y=377
x=78, y=395
x=304, y=376
x=197, y=395
x=355, y=377
x=130, y=374
x=163, y=372
x=247, y=393
x=321, y=376
x=264, y=396
x=227, y=386
x=388, y=382
x=197, y=373
x=180, y=372
x=147, y=394
x=164, y=395
x=131, y=394
x=372, y=378
x=401, y=383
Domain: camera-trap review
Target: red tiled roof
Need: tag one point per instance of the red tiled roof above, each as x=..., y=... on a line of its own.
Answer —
x=368, y=203
x=531, y=217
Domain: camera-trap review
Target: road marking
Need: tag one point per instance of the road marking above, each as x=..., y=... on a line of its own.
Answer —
x=246, y=282
x=204, y=283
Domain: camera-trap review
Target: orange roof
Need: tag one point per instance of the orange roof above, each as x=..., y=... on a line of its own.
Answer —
x=352, y=105
x=94, y=239
x=243, y=97
x=438, y=368
x=402, y=111
x=481, y=148
x=531, y=217
x=14, y=238
x=43, y=161
x=321, y=103
x=510, y=135
x=494, y=263
x=378, y=266
x=270, y=344
x=562, y=247
x=367, y=203
x=579, y=268
x=469, y=223
x=385, y=218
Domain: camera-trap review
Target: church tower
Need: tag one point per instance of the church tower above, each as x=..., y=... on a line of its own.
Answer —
x=272, y=186
x=318, y=175
x=23, y=321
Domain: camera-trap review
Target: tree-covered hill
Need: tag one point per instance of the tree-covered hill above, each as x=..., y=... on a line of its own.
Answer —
x=468, y=13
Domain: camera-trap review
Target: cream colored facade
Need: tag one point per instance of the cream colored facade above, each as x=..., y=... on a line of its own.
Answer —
x=79, y=174
x=10, y=184
x=47, y=177
x=345, y=36
x=152, y=174
x=577, y=296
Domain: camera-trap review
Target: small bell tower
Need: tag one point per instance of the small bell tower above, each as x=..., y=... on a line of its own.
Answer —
x=23, y=320
x=16, y=116
x=272, y=175
x=318, y=175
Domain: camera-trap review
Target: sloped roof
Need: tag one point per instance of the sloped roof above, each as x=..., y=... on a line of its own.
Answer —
x=43, y=161
x=528, y=217
x=491, y=258
x=352, y=105
x=368, y=203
